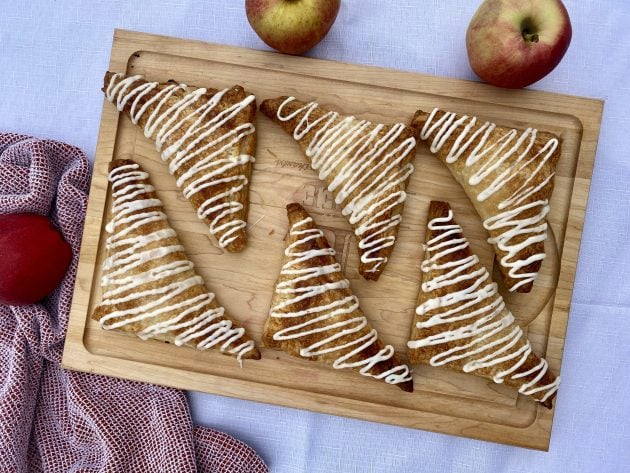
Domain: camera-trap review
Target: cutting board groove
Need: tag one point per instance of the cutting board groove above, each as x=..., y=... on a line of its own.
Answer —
x=443, y=401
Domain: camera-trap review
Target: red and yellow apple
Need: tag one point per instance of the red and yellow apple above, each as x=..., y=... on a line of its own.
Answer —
x=33, y=258
x=514, y=43
x=292, y=26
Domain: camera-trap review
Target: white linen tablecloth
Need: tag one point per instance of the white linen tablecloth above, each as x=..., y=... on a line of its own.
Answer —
x=52, y=58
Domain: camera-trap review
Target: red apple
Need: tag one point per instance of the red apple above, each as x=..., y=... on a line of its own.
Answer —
x=514, y=43
x=291, y=26
x=33, y=258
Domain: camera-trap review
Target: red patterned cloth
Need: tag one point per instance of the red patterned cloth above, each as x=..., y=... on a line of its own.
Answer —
x=52, y=420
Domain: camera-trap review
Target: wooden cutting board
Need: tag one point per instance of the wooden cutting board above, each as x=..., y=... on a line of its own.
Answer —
x=443, y=401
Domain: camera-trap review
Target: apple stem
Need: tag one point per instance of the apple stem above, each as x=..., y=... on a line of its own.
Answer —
x=530, y=37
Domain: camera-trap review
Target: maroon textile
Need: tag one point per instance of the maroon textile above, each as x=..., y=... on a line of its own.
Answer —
x=52, y=420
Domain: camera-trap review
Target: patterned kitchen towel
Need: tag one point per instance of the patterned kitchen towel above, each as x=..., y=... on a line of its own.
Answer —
x=53, y=420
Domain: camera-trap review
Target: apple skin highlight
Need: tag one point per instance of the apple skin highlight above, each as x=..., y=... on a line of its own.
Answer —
x=292, y=26
x=513, y=44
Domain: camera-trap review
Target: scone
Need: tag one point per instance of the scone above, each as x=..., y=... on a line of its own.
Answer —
x=507, y=174
x=206, y=137
x=366, y=165
x=462, y=322
x=315, y=316
x=150, y=287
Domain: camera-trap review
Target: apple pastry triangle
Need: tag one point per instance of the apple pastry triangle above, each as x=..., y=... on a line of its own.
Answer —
x=366, y=165
x=206, y=137
x=315, y=316
x=508, y=175
x=462, y=321
x=149, y=285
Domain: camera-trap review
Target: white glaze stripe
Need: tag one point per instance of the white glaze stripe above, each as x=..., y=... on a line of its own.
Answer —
x=206, y=141
x=490, y=329
x=353, y=150
x=122, y=281
x=497, y=165
x=327, y=318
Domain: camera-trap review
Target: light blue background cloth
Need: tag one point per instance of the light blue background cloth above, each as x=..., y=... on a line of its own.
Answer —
x=52, y=58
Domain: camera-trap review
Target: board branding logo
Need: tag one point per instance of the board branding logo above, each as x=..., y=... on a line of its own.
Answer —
x=317, y=196
x=340, y=240
x=319, y=200
x=283, y=163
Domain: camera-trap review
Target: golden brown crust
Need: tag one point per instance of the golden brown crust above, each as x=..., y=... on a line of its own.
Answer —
x=367, y=269
x=490, y=207
x=425, y=353
x=246, y=146
x=192, y=292
x=273, y=325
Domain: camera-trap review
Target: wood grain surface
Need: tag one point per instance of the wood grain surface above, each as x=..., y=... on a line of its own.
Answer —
x=443, y=401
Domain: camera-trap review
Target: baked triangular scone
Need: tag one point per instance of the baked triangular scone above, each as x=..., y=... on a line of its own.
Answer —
x=508, y=175
x=366, y=165
x=462, y=322
x=149, y=285
x=208, y=139
x=315, y=316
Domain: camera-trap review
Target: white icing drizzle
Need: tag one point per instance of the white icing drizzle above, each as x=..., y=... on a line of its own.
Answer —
x=210, y=160
x=353, y=150
x=490, y=332
x=490, y=159
x=328, y=317
x=121, y=281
